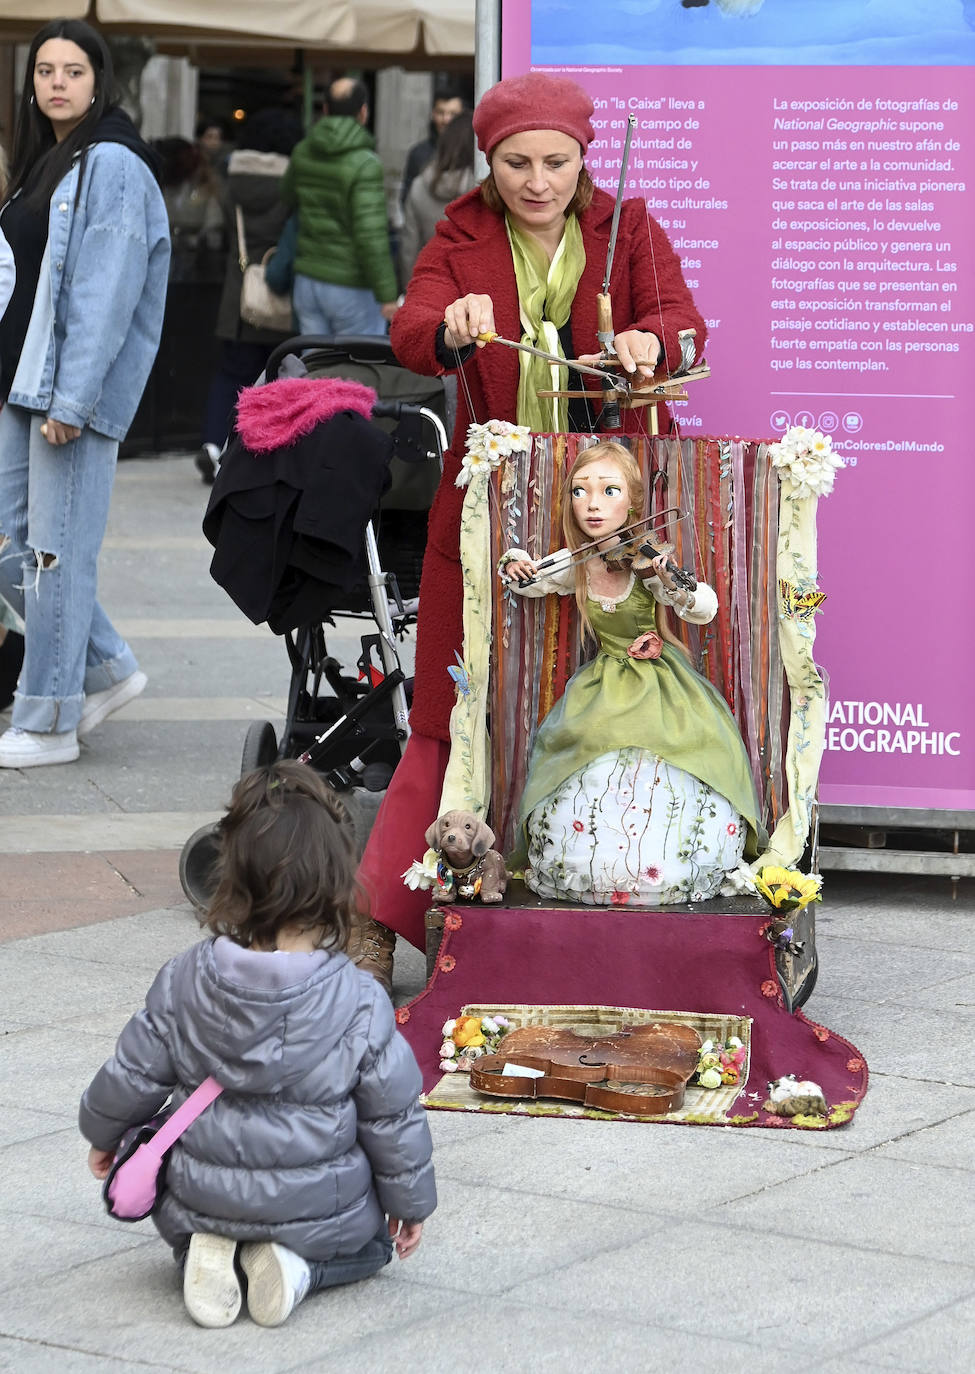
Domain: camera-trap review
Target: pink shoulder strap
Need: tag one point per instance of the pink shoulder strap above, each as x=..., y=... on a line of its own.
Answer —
x=184, y=1116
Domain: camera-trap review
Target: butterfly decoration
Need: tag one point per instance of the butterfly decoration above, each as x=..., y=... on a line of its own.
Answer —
x=798, y=605
x=460, y=675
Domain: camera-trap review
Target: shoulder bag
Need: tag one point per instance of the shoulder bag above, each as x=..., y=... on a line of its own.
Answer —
x=259, y=305
x=135, y=1182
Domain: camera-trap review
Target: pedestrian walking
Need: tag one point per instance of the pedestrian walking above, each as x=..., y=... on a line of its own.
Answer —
x=315, y=1158
x=87, y=226
x=345, y=280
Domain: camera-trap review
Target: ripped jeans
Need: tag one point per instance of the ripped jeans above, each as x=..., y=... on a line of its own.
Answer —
x=53, y=512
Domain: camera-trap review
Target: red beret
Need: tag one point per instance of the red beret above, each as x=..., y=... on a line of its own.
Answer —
x=533, y=101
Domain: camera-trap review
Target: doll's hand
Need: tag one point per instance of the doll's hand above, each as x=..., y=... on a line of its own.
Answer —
x=648, y=645
x=466, y=319
x=405, y=1236
x=518, y=570
x=100, y=1161
x=659, y=565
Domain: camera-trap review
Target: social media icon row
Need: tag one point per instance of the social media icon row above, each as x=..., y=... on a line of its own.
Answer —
x=851, y=422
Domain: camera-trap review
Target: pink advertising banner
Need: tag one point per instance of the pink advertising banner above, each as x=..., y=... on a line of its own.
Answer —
x=812, y=162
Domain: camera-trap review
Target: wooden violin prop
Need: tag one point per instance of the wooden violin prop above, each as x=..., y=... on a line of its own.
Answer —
x=637, y=545
x=640, y=1069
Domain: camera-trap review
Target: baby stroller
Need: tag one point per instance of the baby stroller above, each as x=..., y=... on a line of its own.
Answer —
x=347, y=720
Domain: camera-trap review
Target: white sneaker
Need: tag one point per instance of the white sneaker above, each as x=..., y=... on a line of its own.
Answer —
x=98, y=705
x=277, y=1280
x=24, y=749
x=211, y=1288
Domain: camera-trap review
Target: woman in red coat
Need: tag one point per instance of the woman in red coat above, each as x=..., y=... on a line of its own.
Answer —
x=523, y=255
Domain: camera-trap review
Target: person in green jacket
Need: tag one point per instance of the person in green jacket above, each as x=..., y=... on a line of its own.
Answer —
x=345, y=280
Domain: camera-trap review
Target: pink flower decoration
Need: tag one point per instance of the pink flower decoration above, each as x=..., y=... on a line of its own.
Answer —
x=770, y=988
x=732, y=828
x=854, y=1065
x=821, y=1033
x=447, y=963
x=402, y=1015
x=578, y=825
x=653, y=872
x=452, y=921
x=620, y=898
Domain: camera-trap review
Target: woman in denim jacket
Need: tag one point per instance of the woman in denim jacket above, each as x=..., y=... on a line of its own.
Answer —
x=88, y=229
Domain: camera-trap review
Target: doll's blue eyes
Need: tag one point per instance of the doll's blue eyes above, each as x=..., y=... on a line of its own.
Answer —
x=607, y=491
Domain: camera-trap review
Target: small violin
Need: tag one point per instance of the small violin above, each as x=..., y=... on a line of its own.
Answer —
x=641, y=561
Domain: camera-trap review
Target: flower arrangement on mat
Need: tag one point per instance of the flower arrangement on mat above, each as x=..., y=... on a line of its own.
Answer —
x=806, y=457
x=720, y=1063
x=786, y=889
x=466, y=1038
x=489, y=445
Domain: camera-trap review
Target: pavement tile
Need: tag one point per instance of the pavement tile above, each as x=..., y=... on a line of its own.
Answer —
x=73, y=1195
x=909, y=1042
x=899, y=975
x=943, y=1341
x=611, y=1163
x=950, y=1144
x=35, y=1244
x=533, y=1340
x=22, y=1123
x=45, y=1069
x=527, y=1234
x=145, y=940
x=865, y=1201
x=37, y=989
x=37, y=1357
x=781, y=1288
x=129, y=1307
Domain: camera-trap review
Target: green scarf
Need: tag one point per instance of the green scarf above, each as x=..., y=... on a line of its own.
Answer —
x=545, y=295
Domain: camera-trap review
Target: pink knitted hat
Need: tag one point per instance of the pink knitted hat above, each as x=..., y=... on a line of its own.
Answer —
x=533, y=101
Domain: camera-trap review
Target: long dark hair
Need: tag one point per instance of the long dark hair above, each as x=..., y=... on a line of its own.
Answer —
x=455, y=149
x=38, y=158
x=286, y=857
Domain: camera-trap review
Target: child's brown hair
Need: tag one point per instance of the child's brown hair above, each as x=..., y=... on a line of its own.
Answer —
x=286, y=858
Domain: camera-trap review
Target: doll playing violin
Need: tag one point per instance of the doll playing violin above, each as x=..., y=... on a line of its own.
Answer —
x=639, y=789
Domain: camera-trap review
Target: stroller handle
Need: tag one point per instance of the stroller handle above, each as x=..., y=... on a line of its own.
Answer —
x=369, y=348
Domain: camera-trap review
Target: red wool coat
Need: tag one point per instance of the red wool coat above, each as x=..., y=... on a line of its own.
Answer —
x=471, y=254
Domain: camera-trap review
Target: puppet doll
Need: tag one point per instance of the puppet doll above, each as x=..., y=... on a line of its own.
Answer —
x=639, y=789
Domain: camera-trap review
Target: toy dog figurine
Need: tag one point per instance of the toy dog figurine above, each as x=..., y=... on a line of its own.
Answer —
x=467, y=868
x=787, y=1097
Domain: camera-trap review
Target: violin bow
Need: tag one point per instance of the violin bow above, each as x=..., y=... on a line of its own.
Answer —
x=629, y=534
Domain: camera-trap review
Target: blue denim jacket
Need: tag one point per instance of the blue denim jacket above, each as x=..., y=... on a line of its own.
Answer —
x=94, y=329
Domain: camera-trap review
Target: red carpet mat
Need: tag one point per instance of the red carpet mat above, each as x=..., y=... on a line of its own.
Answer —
x=661, y=961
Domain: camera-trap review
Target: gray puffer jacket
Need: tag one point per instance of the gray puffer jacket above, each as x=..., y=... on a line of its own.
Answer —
x=319, y=1131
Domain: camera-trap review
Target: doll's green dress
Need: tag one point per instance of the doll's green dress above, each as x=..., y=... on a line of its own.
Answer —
x=639, y=789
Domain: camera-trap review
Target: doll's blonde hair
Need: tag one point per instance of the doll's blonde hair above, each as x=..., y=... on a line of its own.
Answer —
x=576, y=537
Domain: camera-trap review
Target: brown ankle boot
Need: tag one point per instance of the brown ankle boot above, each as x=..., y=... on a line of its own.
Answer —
x=371, y=948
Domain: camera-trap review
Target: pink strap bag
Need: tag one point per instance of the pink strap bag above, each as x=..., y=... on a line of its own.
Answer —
x=136, y=1180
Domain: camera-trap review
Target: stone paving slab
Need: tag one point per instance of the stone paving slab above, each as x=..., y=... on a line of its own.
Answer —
x=777, y=1281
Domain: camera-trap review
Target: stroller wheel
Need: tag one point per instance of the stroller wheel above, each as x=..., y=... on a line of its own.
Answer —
x=260, y=746
x=196, y=865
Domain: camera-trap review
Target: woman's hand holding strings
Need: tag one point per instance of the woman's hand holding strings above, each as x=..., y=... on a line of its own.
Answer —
x=466, y=319
x=637, y=350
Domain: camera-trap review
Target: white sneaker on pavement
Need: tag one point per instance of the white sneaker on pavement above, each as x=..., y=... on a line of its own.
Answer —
x=277, y=1280
x=98, y=705
x=211, y=1288
x=25, y=749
